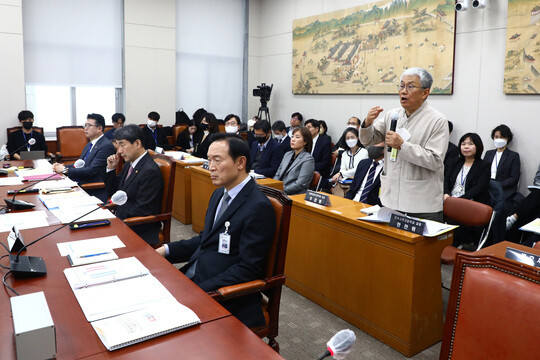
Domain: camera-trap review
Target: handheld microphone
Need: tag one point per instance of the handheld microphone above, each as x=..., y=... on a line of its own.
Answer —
x=22, y=205
x=30, y=142
x=393, y=124
x=31, y=266
x=340, y=345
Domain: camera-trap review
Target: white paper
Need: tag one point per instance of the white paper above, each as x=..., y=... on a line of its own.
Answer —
x=254, y=175
x=68, y=214
x=371, y=210
x=405, y=135
x=381, y=216
x=533, y=226
x=23, y=220
x=435, y=228
x=34, y=172
x=90, y=246
x=55, y=184
x=184, y=157
x=10, y=181
x=68, y=200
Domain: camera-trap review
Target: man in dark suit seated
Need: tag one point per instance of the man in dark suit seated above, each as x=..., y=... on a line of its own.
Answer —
x=265, y=154
x=19, y=138
x=154, y=136
x=452, y=153
x=94, y=154
x=367, y=178
x=238, y=231
x=140, y=178
x=322, y=149
x=296, y=121
x=118, y=121
x=282, y=136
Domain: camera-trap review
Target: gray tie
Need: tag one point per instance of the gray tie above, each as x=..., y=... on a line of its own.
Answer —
x=224, y=205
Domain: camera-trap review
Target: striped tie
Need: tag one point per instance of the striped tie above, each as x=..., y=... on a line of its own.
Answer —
x=369, y=182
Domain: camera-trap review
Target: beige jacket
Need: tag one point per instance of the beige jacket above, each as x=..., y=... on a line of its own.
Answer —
x=414, y=182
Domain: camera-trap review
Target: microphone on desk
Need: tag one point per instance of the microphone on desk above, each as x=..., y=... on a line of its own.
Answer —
x=30, y=142
x=339, y=345
x=393, y=124
x=22, y=205
x=31, y=266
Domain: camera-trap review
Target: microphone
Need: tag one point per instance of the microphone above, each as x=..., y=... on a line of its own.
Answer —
x=340, y=345
x=31, y=266
x=30, y=142
x=393, y=124
x=22, y=205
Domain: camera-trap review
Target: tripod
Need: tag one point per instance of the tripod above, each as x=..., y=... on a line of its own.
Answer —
x=263, y=113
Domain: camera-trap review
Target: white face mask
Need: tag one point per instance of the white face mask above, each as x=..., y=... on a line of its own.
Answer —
x=152, y=123
x=351, y=142
x=231, y=129
x=251, y=122
x=351, y=126
x=279, y=137
x=499, y=143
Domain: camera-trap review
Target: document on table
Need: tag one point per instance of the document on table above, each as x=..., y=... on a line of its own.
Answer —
x=533, y=226
x=67, y=214
x=23, y=220
x=10, y=181
x=90, y=246
x=382, y=216
x=435, y=228
x=55, y=184
x=183, y=156
x=254, y=175
x=68, y=200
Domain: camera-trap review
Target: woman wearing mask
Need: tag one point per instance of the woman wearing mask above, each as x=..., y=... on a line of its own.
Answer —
x=505, y=169
x=324, y=130
x=297, y=167
x=209, y=126
x=19, y=138
x=349, y=161
x=189, y=139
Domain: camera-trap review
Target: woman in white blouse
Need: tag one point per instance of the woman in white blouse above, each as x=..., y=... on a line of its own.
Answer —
x=349, y=161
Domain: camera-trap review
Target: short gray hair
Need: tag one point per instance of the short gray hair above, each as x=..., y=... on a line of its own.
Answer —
x=426, y=80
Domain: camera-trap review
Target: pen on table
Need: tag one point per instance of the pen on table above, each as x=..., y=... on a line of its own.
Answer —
x=87, y=256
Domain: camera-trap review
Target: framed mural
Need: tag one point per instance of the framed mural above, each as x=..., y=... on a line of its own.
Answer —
x=521, y=71
x=364, y=49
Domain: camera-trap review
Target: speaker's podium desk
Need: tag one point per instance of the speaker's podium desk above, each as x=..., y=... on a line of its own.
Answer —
x=385, y=281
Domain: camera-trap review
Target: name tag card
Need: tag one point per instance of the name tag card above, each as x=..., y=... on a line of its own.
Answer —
x=523, y=257
x=318, y=198
x=407, y=224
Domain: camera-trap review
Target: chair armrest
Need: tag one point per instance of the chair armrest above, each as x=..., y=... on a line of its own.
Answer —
x=92, y=186
x=110, y=206
x=138, y=220
x=232, y=291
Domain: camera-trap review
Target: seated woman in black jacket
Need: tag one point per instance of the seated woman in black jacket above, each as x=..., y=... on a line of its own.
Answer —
x=468, y=178
x=208, y=127
x=189, y=139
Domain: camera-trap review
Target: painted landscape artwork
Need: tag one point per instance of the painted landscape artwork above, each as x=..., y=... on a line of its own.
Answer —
x=522, y=67
x=364, y=50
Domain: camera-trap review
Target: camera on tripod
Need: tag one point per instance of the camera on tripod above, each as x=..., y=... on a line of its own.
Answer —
x=263, y=91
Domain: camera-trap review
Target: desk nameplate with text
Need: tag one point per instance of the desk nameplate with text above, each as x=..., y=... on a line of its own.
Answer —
x=407, y=224
x=318, y=198
x=522, y=257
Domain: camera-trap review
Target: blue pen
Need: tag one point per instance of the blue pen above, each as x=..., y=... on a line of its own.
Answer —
x=86, y=256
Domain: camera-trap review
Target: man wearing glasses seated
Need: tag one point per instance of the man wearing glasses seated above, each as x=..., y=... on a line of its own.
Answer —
x=94, y=155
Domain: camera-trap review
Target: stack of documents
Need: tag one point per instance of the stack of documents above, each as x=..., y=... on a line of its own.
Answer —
x=82, y=252
x=68, y=200
x=122, y=292
x=23, y=220
x=533, y=226
x=70, y=212
x=55, y=184
x=10, y=181
x=184, y=156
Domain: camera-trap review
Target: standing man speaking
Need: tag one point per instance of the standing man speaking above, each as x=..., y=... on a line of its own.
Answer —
x=412, y=178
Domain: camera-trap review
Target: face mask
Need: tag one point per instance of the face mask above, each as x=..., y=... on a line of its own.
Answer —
x=251, y=122
x=321, y=131
x=152, y=123
x=261, y=139
x=231, y=129
x=499, y=143
x=279, y=137
x=27, y=125
x=204, y=126
x=351, y=126
x=351, y=142
x=375, y=152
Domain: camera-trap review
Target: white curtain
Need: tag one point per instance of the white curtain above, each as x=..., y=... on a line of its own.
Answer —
x=209, y=56
x=73, y=42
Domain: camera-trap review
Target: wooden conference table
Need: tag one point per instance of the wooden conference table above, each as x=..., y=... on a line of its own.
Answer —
x=201, y=192
x=385, y=281
x=217, y=337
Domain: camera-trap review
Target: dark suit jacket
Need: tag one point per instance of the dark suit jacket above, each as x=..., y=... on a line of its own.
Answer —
x=16, y=139
x=148, y=138
x=323, y=156
x=477, y=183
x=94, y=167
x=451, y=157
x=285, y=144
x=270, y=158
x=252, y=226
x=508, y=170
x=144, y=189
x=183, y=139
x=109, y=134
x=202, y=149
x=361, y=172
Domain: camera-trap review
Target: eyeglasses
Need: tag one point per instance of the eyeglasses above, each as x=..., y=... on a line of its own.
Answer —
x=87, y=125
x=408, y=86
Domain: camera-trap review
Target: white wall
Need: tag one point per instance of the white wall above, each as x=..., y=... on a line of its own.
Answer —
x=149, y=65
x=478, y=103
x=12, y=91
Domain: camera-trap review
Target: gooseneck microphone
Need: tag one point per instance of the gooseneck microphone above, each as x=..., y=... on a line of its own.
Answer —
x=339, y=345
x=31, y=266
x=393, y=124
x=30, y=142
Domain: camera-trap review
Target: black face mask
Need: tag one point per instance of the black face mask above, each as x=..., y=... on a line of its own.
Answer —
x=375, y=152
x=261, y=139
x=27, y=125
x=204, y=126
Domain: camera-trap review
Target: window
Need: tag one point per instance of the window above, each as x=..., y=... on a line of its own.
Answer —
x=101, y=100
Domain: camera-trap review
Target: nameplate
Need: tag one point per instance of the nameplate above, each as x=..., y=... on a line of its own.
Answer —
x=523, y=257
x=15, y=240
x=318, y=198
x=404, y=223
x=206, y=165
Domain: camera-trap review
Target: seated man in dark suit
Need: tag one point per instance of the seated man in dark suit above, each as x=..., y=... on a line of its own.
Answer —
x=154, y=136
x=140, y=178
x=265, y=154
x=322, y=149
x=118, y=121
x=367, y=178
x=296, y=121
x=238, y=230
x=282, y=136
x=19, y=138
x=452, y=153
x=94, y=154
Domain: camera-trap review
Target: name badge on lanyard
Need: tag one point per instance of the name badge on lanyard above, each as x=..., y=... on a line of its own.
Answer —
x=224, y=246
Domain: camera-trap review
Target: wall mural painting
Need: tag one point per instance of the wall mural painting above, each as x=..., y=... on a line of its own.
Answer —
x=364, y=49
x=522, y=67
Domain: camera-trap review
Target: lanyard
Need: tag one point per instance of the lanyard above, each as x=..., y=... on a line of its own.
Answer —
x=462, y=179
x=154, y=135
x=27, y=144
